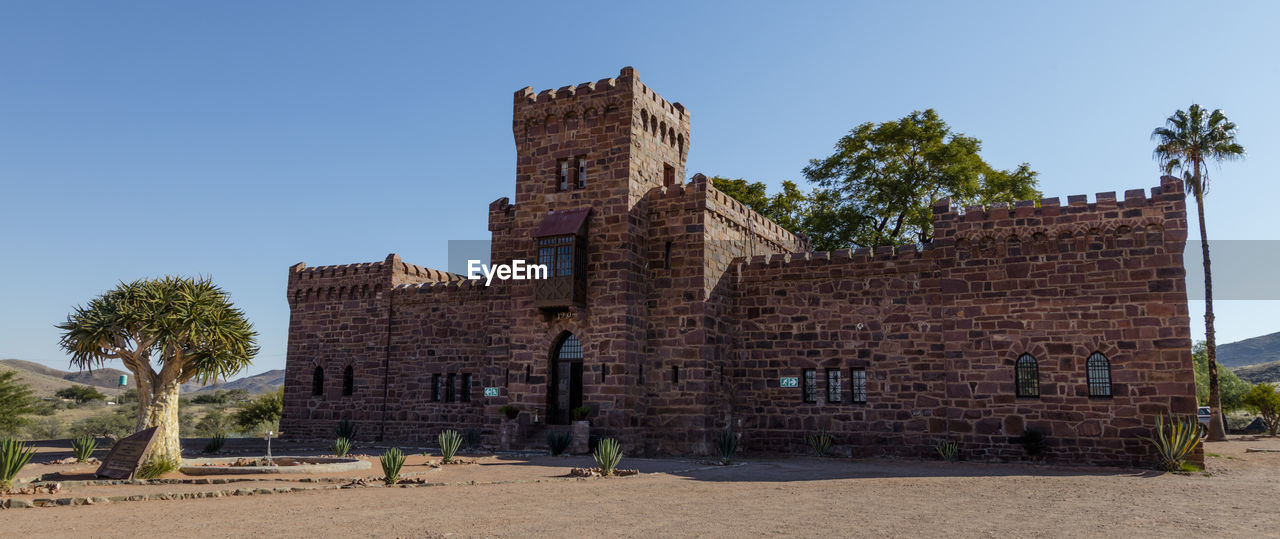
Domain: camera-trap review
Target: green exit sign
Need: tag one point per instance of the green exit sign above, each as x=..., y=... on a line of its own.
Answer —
x=491, y=392
x=789, y=381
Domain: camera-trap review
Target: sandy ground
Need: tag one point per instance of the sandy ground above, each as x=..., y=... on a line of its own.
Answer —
x=1238, y=496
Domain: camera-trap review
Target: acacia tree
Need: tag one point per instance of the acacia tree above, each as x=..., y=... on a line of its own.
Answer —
x=166, y=332
x=1186, y=144
x=880, y=185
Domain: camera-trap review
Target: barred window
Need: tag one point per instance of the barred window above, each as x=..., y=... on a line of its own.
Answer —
x=437, y=388
x=317, y=381
x=449, y=387
x=563, y=167
x=348, y=381
x=858, y=386
x=1027, y=376
x=1098, y=369
x=833, y=385
x=464, y=392
x=582, y=171
x=810, y=385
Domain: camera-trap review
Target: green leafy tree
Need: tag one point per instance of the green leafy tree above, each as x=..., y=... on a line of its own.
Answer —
x=880, y=185
x=15, y=403
x=1186, y=144
x=266, y=409
x=80, y=394
x=166, y=332
x=114, y=425
x=1233, y=388
x=1264, y=400
x=216, y=397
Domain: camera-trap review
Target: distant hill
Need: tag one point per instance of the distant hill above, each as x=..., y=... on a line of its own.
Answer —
x=1264, y=349
x=1262, y=372
x=45, y=381
x=258, y=383
x=44, y=385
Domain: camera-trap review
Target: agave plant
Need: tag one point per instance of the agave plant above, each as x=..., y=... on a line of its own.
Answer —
x=608, y=454
x=1175, y=442
x=820, y=442
x=215, y=443
x=346, y=429
x=558, y=441
x=726, y=445
x=157, y=467
x=392, y=460
x=13, y=456
x=450, y=441
x=341, y=446
x=83, y=447
x=948, y=450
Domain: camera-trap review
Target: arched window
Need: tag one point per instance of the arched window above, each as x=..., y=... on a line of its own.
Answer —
x=1099, y=370
x=1027, y=376
x=348, y=380
x=317, y=381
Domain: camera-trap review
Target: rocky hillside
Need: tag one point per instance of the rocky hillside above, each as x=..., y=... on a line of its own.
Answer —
x=1262, y=372
x=45, y=381
x=1263, y=349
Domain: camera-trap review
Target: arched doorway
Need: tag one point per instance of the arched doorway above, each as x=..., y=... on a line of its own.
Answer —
x=564, y=392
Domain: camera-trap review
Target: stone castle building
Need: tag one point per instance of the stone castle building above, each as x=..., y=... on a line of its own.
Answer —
x=674, y=312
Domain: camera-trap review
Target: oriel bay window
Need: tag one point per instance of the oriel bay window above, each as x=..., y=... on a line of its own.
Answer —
x=562, y=248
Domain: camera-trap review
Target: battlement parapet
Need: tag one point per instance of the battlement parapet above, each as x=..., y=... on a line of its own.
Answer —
x=1025, y=228
x=700, y=194
x=357, y=281
x=502, y=214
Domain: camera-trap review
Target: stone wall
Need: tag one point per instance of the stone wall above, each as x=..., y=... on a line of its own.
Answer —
x=938, y=331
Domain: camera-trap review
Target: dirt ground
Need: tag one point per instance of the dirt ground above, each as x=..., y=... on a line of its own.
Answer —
x=1237, y=496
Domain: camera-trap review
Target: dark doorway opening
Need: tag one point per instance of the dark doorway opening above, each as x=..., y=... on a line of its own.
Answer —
x=564, y=393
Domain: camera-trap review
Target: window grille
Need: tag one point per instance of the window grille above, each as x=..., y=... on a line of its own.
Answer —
x=858, y=386
x=1027, y=376
x=834, y=389
x=1098, y=368
x=810, y=385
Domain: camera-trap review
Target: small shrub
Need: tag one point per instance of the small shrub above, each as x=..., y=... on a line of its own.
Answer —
x=1034, y=441
x=558, y=441
x=608, y=454
x=450, y=441
x=473, y=440
x=83, y=447
x=215, y=443
x=13, y=456
x=1263, y=399
x=155, y=468
x=726, y=445
x=1174, y=442
x=819, y=441
x=392, y=460
x=948, y=450
x=509, y=411
x=341, y=446
x=580, y=413
x=346, y=429
x=44, y=428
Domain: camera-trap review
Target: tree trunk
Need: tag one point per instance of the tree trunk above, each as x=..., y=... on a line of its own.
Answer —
x=162, y=413
x=1217, y=431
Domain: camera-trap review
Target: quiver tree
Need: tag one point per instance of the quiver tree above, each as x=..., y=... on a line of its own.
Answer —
x=166, y=332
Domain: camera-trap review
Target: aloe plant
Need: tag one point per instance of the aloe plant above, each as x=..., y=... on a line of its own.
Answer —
x=392, y=460
x=13, y=456
x=608, y=454
x=726, y=445
x=1175, y=442
x=558, y=441
x=450, y=441
x=215, y=443
x=157, y=467
x=820, y=442
x=341, y=446
x=83, y=447
x=580, y=413
x=948, y=450
x=346, y=429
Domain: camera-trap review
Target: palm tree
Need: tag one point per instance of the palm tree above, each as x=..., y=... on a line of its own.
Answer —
x=188, y=326
x=1186, y=144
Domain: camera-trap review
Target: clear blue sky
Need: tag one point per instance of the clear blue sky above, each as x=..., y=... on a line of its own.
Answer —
x=233, y=139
